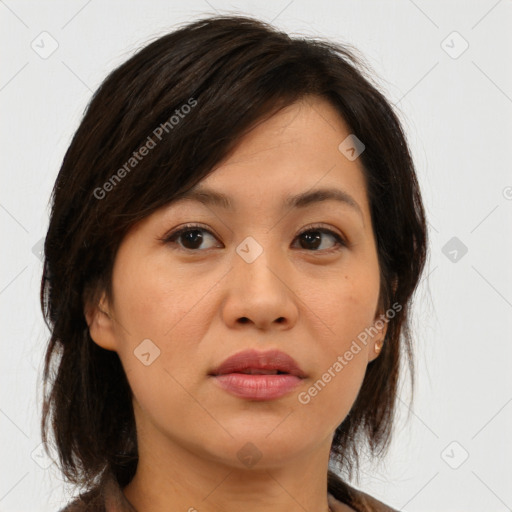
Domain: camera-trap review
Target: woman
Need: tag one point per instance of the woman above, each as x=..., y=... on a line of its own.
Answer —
x=235, y=237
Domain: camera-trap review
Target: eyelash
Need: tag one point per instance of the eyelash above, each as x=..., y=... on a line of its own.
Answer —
x=173, y=236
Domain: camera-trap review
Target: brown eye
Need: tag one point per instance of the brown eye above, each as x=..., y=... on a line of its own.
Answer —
x=192, y=237
x=189, y=237
x=312, y=239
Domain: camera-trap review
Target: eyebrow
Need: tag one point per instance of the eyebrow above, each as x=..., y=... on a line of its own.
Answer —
x=211, y=197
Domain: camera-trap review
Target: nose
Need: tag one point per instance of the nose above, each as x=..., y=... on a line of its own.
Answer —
x=260, y=293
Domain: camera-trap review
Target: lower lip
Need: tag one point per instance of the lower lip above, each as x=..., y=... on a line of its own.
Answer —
x=258, y=387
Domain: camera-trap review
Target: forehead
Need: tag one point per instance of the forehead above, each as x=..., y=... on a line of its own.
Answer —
x=291, y=160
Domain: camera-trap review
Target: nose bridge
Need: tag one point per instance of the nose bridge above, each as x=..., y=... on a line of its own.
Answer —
x=257, y=289
x=256, y=262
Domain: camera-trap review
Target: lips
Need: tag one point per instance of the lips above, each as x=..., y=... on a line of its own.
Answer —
x=253, y=362
x=258, y=376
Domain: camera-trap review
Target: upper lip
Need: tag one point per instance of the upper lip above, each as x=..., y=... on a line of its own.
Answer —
x=253, y=359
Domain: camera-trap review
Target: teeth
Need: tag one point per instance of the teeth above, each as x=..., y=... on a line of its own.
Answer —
x=260, y=372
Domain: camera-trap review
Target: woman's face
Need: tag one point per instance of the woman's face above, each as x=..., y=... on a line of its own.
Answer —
x=261, y=275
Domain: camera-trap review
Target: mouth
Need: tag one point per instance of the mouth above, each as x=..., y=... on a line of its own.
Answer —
x=253, y=362
x=257, y=375
x=258, y=387
x=260, y=371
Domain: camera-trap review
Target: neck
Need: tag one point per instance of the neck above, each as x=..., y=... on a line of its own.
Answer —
x=179, y=479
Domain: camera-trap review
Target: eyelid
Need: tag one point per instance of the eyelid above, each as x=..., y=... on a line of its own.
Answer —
x=186, y=227
x=341, y=240
x=325, y=229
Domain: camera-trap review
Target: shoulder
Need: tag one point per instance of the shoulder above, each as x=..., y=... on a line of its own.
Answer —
x=91, y=501
x=342, y=494
x=107, y=496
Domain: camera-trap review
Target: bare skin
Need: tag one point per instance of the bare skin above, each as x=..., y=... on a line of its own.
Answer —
x=200, y=305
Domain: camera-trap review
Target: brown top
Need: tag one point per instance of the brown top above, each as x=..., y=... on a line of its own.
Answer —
x=109, y=497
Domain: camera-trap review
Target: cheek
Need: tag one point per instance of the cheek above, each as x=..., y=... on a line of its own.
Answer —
x=170, y=307
x=330, y=395
x=347, y=305
x=342, y=357
x=151, y=298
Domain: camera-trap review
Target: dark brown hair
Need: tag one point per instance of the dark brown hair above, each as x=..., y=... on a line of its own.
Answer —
x=233, y=72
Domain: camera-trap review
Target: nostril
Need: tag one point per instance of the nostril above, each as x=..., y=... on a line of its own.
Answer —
x=244, y=319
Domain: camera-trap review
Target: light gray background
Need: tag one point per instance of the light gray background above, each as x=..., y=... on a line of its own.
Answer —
x=457, y=114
